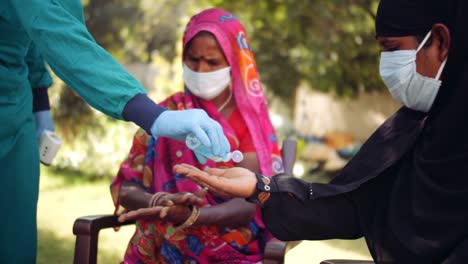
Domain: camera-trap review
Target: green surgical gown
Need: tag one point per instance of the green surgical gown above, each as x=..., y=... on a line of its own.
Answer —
x=54, y=29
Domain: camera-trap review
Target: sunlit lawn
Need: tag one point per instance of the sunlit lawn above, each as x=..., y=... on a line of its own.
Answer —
x=64, y=197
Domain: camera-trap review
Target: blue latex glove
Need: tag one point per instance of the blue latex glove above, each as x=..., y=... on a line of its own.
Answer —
x=43, y=122
x=202, y=153
x=200, y=157
x=178, y=124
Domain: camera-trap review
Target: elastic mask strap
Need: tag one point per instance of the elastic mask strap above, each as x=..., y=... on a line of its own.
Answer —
x=441, y=69
x=424, y=40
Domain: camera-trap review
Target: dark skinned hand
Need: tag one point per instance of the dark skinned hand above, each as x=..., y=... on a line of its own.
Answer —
x=182, y=198
x=173, y=208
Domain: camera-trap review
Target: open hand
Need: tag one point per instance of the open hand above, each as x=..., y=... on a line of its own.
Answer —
x=152, y=213
x=233, y=182
x=182, y=198
x=176, y=214
x=172, y=208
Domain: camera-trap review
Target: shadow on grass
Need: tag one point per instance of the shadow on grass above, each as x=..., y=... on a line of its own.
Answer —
x=52, y=249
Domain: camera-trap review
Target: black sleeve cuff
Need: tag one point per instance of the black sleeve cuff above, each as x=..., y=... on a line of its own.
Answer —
x=40, y=99
x=142, y=111
x=265, y=185
x=281, y=183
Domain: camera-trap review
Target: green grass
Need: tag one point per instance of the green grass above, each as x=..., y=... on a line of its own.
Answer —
x=64, y=196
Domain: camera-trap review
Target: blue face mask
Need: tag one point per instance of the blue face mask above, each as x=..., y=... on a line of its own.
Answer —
x=407, y=86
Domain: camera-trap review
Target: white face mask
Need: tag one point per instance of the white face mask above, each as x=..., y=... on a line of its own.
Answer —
x=207, y=85
x=398, y=71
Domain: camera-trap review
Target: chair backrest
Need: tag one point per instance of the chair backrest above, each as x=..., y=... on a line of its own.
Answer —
x=288, y=154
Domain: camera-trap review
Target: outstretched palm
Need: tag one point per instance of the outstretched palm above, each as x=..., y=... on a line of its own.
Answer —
x=237, y=181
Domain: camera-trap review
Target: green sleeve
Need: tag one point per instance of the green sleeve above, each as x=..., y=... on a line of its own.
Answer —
x=56, y=27
x=39, y=76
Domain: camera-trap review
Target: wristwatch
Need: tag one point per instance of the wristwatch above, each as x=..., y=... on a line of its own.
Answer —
x=263, y=188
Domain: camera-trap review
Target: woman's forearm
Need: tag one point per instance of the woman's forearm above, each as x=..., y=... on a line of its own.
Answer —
x=234, y=213
x=132, y=196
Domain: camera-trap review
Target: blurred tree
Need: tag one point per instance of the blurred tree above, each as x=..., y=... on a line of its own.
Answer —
x=132, y=30
x=328, y=43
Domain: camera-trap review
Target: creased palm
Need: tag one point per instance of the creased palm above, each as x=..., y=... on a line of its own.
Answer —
x=233, y=182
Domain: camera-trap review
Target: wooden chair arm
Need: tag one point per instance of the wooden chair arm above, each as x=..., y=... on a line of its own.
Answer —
x=87, y=229
x=274, y=252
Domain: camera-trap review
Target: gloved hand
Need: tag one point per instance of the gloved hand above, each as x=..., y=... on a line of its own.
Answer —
x=202, y=159
x=202, y=153
x=178, y=124
x=43, y=122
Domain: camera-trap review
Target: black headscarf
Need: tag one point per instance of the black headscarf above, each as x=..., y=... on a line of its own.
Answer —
x=396, y=18
x=430, y=197
x=425, y=218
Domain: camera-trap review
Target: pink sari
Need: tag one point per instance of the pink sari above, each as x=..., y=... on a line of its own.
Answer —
x=150, y=163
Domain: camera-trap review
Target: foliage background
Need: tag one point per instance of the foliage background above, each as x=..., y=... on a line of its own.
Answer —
x=328, y=44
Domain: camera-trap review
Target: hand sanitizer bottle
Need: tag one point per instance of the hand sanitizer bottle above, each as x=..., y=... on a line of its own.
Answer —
x=194, y=144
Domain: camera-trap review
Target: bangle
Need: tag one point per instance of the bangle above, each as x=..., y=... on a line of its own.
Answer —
x=155, y=199
x=190, y=220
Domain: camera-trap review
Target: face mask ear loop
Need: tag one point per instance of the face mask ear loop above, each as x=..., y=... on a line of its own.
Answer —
x=441, y=69
x=424, y=41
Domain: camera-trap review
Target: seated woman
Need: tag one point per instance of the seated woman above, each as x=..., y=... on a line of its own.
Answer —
x=221, y=78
